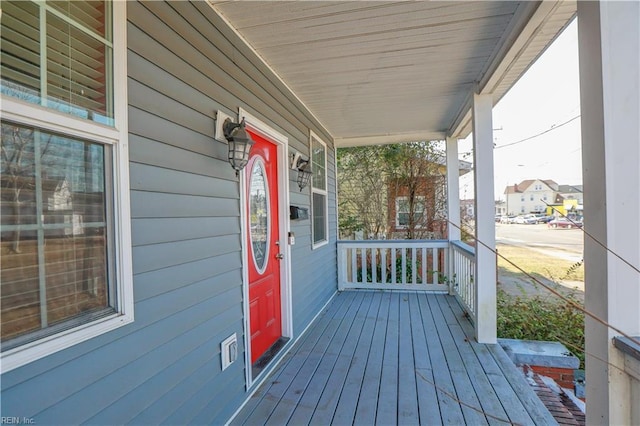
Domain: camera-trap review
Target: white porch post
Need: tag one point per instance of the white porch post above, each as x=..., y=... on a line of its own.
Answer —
x=453, y=203
x=485, y=274
x=609, y=43
x=453, y=190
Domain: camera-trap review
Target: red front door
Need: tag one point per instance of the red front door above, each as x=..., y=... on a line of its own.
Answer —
x=263, y=252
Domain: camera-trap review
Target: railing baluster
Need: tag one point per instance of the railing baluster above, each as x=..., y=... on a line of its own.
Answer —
x=363, y=265
x=423, y=265
x=434, y=266
x=383, y=267
x=445, y=266
x=403, y=271
x=393, y=266
x=354, y=265
x=414, y=265
x=374, y=255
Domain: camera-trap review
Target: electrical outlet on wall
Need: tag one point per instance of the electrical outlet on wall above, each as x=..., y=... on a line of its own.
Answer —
x=229, y=350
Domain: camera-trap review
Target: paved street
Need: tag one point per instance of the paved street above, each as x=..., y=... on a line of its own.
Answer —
x=563, y=243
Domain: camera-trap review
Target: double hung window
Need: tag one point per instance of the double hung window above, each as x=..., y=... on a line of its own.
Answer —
x=319, y=191
x=404, y=212
x=65, y=240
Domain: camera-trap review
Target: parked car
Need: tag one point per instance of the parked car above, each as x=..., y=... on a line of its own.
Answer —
x=506, y=219
x=543, y=218
x=527, y=219
x=562, y=222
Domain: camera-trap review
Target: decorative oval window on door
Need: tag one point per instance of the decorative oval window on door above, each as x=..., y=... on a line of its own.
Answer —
x=259, y=215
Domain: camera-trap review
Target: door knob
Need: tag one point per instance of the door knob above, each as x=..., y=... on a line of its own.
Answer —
x=279, y=256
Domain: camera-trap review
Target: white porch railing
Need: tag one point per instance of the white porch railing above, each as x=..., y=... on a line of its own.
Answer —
x=463, y=261
x=394, y=265
x=428, y=265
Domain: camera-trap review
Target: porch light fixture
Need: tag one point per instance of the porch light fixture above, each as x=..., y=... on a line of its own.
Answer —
x=303, y=167
x=240, y=143
x=304, y=175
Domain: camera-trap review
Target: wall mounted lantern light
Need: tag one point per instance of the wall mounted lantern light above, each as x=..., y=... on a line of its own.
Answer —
x=304, y=169
x=240, y=143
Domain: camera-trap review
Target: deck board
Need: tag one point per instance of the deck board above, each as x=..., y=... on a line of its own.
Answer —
x=393, y=358
x=332, y=393
x=388, y=396
x=463, y=386
x=429, y=408
x=304, y=410
x=347, y=404
x=408, y=412
x=450, y=410
x=368, y=398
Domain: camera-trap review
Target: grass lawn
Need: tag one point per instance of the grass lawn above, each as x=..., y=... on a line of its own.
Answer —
x=528, y=311
x=539, y=264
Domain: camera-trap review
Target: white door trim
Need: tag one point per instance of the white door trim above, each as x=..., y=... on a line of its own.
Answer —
x=256, y=125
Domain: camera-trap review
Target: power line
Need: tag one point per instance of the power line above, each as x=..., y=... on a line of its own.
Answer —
x=554, y=127
x=539, y=134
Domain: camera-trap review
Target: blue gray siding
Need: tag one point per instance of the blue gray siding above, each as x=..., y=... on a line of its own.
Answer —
x=184, y=64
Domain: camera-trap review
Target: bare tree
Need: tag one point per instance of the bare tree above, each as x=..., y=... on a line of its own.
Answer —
x=17, y=166
x=362, y=191
x=416, y=175
x=376, y=182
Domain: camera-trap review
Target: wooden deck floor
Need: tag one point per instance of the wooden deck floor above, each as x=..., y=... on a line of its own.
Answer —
x=391, y=358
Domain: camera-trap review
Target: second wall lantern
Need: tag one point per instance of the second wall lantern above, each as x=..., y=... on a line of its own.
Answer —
x=304, y=169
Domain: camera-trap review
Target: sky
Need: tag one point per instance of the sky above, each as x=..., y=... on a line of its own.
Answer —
x=546, y=96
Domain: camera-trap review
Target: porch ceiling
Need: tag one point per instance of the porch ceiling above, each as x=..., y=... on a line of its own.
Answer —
x=384, y=72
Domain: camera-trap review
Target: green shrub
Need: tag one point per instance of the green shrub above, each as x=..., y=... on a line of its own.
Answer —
x=408, y=272
x=534, y=318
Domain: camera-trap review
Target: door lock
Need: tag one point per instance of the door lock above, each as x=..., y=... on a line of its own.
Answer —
x=279, y=256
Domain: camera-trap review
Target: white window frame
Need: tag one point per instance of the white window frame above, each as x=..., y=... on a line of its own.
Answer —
x=424, y=209
x=28, y=114
x=324, y=192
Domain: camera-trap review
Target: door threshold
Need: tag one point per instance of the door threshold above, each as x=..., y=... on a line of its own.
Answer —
x=266, y=358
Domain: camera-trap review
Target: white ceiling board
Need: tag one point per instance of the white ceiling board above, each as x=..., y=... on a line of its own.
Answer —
x=368, y=70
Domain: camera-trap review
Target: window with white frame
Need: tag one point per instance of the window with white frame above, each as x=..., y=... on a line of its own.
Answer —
x=319, y=205
x=404, y=210
x=65, y=240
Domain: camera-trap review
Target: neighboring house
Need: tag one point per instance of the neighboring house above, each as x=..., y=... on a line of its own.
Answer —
x=571, y=192
x=530, y=196
x=501, y=208
x=418, y=209
x=563, y=207
x=151, y=309
x=538, y=196
x=467, y=210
